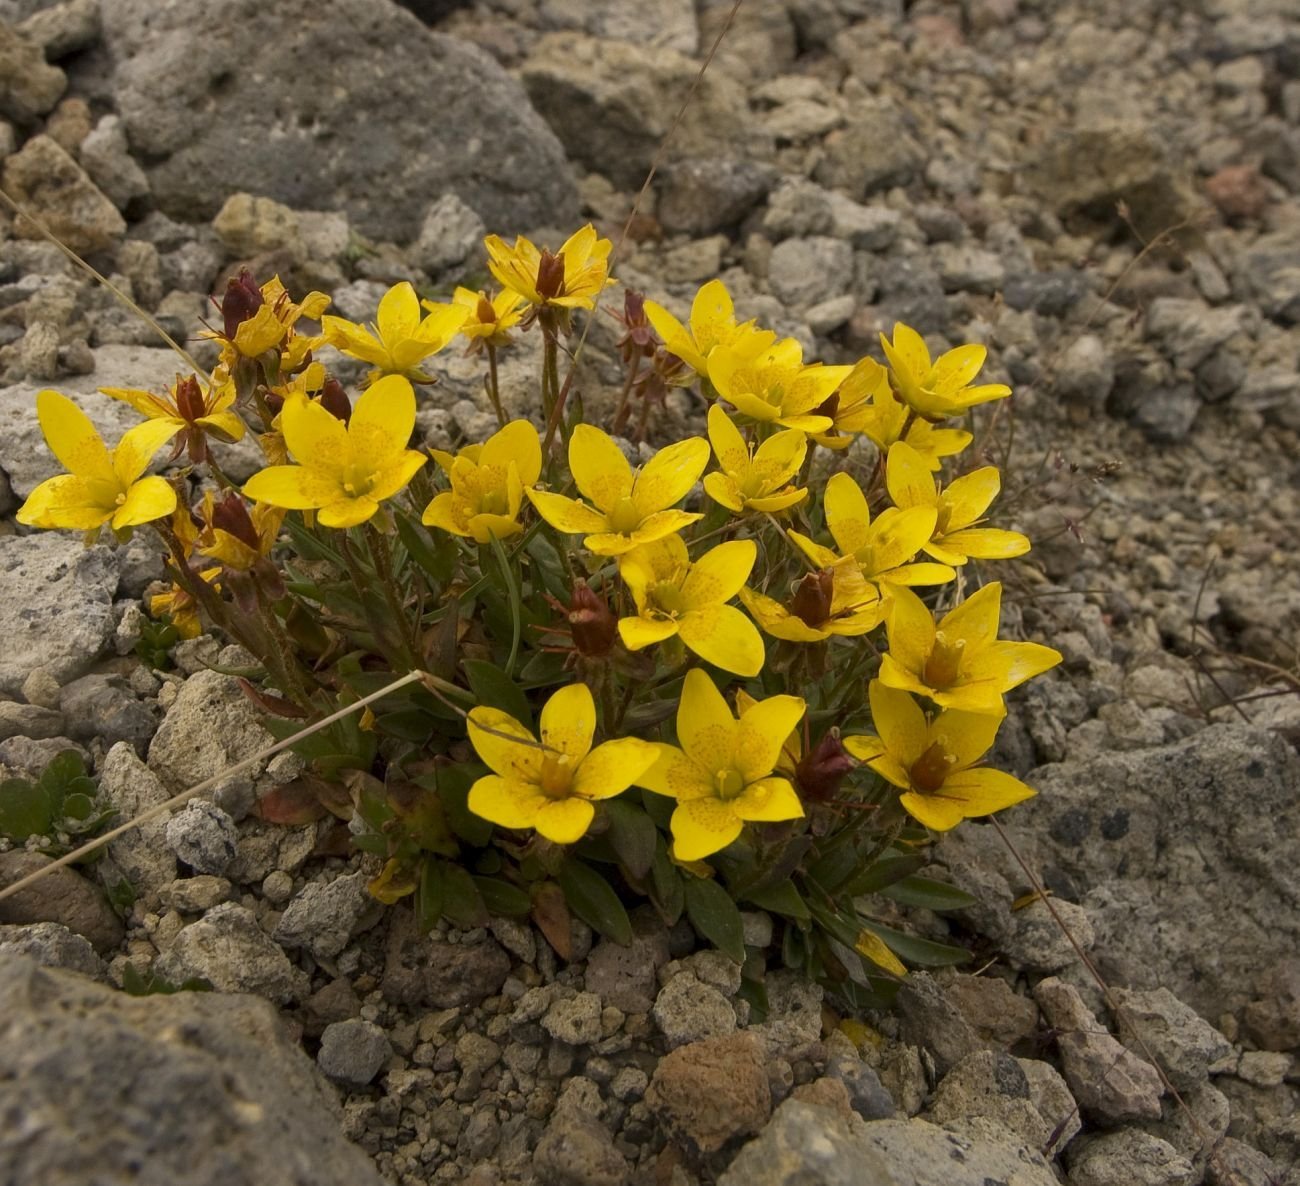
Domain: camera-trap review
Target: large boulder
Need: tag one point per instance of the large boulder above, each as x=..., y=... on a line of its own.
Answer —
x=366, y=111
x=197, y=1087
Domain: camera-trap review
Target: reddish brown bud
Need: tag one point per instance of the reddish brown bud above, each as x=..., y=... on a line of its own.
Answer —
x=230, y=514
x=821, y=770
x=828, y=407
x=550, y=275
x=189, y=400
x=811, y=603
x=243, y=298
x=485, y=313
x=590, y=620
x=335, y=400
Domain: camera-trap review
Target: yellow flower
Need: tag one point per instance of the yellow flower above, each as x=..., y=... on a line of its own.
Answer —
x=489, y=321
x=876, y=412
x=754, y=480
x=941, y=388
x=932, y=763
x=713, y=324
x=961, y=663
x=674, y=596
x=233, y=534
x=344, y=472
x=629, y=510
x=722, y=776
x=569, y=279
x=190, y=409
x=100, y=487
x=551, y=787
x=882, y=548
x=774, y=386
x=400, y=340
x=958, y=508
x=178, y=603
x=833, y=601
x=487, y=484
x=258, y=320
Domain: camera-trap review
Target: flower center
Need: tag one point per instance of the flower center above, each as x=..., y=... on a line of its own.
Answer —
x=666, y=598
x=625, y=518
x=494, y=502
x=729, y=783
x=357, y=487
x=556, y=776
x=931, y=768
x=943, y=667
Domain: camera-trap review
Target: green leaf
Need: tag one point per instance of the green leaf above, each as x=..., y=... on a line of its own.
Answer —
x=462, y=902
x=436, y=557
x=781, y=899
x=492, y=687
x=666, y=889
x=78, y=807
x=884, y=871
x=516, y=605
x=924, y=953
x=453, y=785
x=928, y=894
x=594, y=901
x=430, y=894
x=61, y=771
x=548, y=566
x=26, y=809
x=502, y=898
x=633, y=835
x=715, y=916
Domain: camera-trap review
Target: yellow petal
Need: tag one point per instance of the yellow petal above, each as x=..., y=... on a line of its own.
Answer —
x=290, y=486
x=639, y=633
x=612, y=767
x=565, y=514
x=907, y=352
x=568, y=721
x=345, y=336
x=776, y=620
x=910, y=631
x=976, y=619
x=966, y=736
x=968, y=497
x=564, y=821
x=314, y=437
x=719, y=574
x=387, y=409
x=821, y=556
x=984, y=791
x=398, y=313
x=395, y=473
x=676, y=775
x=598, y=467
x=873, y=948
x=847, y=515
x=728, y=445
x=899, y=722
x=955, y=369
x=908, y=478
x=723, y=636
x=706, y=730
x=762, y=731
x=518, y=442
x=501, y=801
x=137, y=447
x=702, y=827
x=986, y=543
x=661, y=525
x=440, y=513
x=65, y=501
x=148, y=499
x=490, y=731
x=669, y=475
x=72, y=438
x=772, y=503
x=723, y=490
x=779, y=457
x=768, y=800
x=348, y=511
x=1009, y=664
x=934, y=811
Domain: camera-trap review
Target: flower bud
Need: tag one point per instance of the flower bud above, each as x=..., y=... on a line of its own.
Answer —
x=335, y=400
x=550, y=275
x=821, y=770
x=243, y=298
x=230, y=514
x=811, y=603
x=591, y=622
x=189, y=400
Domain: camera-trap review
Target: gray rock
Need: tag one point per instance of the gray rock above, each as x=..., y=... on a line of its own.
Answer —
x=353, y=1052
x=229, y=950
x=803, y=272
x=209, y=727
x=1273, y=1020
x=62, y=896
x=625, y=977
x=43, y=178
x=451, y=115
x=993, y=1087
x=1166, y=413
x=798, y=207
x=659, y=24
x=875, y=151
x=195, y=1087
x=910, y=291
x=105, y=707
x=476, y=1053
x=56, y=606
x=29, y=86
x=1037, y=943
x=1111, y=1084
x=794, y=1017
x=921, y=1154
x=194, y=895
x=611, y=102
x=1269, y=273
x=963, y=267
x=1085, y=375
x=577, y=1150
x=29, y=757
x=867, y=1095
x=1181, y=1042
x=1224, y=858
x=1189, y=331
x=142, y=854
x=64, y=28
x=927, y=1018
x=826, y=317
x=687, y=1010
x=203, y=837
x=805, y=1143
x=1051, y=1096
x=867, y=228
x=451, y=234
x=250, y=225
x=51, y=945
x=325, y=915
x=106, y=157
x=1130, y=1157
x=703, y=196
x=999, y=1015
x=575, y=1020
x=28, y=720
x=425, y=970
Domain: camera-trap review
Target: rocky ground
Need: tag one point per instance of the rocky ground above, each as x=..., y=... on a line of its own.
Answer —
x=1105, y=193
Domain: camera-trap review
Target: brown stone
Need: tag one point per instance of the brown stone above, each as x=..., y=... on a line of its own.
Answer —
x=1238, y=191
x=63, y=896
x=43, y=178
x=708, y=1093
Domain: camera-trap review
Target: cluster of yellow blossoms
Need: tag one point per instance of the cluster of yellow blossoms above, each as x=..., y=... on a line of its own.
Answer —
x=769, y=410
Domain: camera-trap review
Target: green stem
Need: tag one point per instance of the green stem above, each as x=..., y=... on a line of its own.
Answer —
x=494, y=386
x=552, y=405
x=620, y=416
x=383, y=562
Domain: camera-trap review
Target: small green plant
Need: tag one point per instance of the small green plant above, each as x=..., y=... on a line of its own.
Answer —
x=63, y=801
x=141, y=984
x=157, y=638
